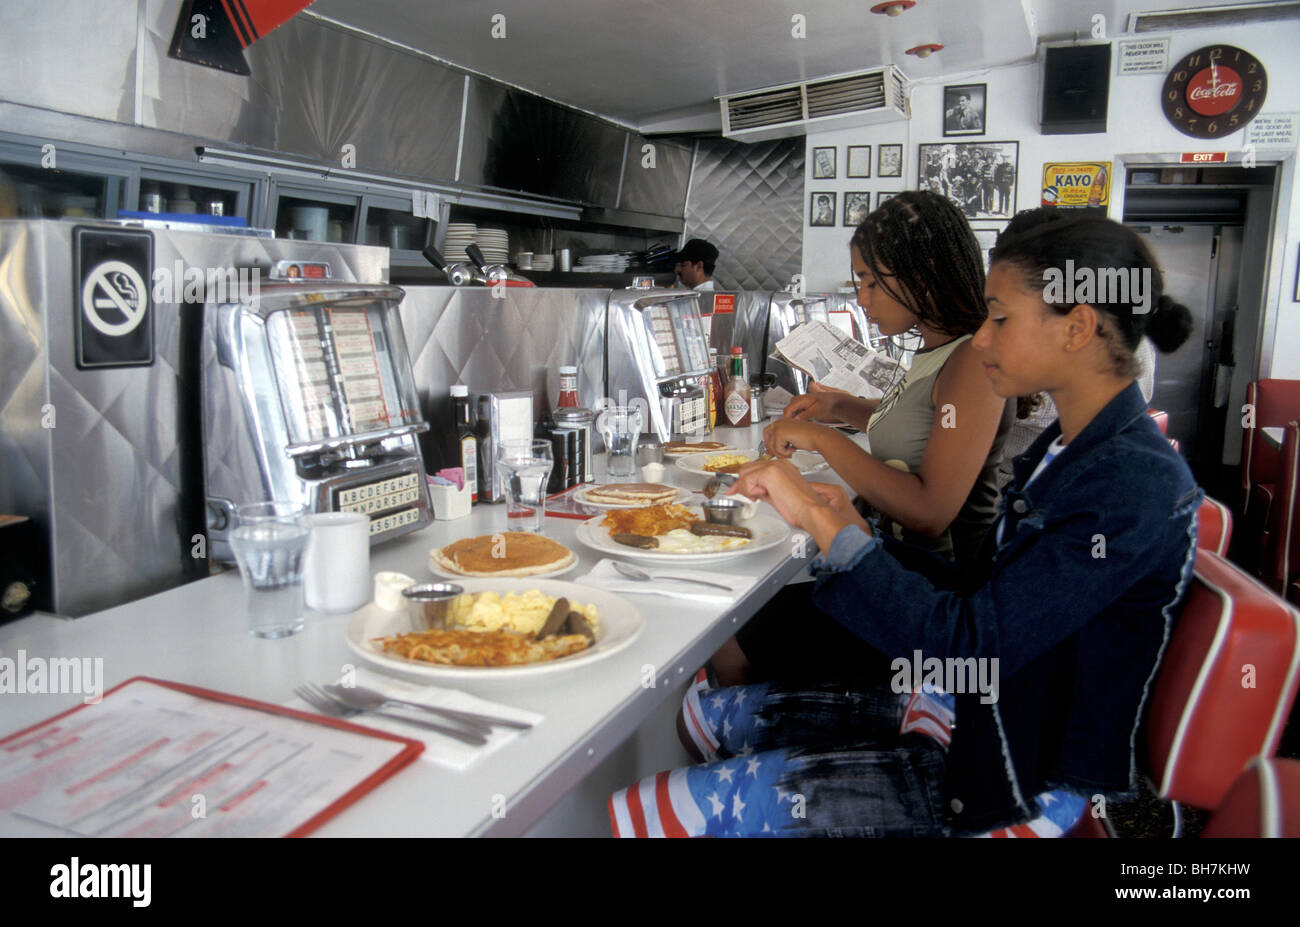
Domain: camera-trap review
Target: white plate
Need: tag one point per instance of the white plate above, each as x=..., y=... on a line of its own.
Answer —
x=620, y=625
x=435, y=568
x=769, y=531
x=581, y=496
x=806, y=461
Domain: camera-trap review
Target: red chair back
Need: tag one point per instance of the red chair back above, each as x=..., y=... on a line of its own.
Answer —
x=1214, y=526
x=1161, y=419
x=1225, y=685
x=1275, y=402
x=1263, y=802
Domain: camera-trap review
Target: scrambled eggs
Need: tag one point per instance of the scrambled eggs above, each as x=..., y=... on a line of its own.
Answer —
x=524, y=612
x=725, y=460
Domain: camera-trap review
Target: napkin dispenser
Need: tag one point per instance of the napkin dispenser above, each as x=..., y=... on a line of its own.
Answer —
x=501, y=417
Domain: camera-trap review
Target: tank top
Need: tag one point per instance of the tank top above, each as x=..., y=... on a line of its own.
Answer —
x=899, y=431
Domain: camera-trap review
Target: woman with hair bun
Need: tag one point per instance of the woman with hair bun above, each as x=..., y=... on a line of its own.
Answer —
x=1051, y=639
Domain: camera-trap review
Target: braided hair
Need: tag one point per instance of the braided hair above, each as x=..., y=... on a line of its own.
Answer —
x=1039, y=242
x=924, y=255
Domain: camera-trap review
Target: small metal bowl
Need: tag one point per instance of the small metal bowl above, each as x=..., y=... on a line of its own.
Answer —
x=723, y=510
x=429, y=604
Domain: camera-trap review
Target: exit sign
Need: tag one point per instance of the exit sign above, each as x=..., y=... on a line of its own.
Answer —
x=1204, y=157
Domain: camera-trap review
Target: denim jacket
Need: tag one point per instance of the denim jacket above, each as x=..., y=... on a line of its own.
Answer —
x=1075, y=599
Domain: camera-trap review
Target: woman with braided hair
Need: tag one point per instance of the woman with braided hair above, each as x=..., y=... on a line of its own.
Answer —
x=1050, y=638
x=936, y=437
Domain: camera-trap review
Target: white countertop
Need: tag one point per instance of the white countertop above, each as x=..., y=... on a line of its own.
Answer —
x=198, y=634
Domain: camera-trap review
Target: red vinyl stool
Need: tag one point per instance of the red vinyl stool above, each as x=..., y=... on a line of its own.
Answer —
x=1263, y=802
x=1274, y=403
x=1214, y=526
x=1161, y=419
x=1224, y=688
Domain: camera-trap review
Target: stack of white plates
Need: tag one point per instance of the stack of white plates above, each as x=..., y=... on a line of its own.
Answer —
x=459, y=235
x=543, y=262
x=604, y=263
x=495, y=244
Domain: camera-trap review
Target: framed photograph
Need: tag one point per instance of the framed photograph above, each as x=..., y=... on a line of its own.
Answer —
x=891, y=161
x=821, y=209
x=823, y=163
x=881, y=197
x=1297, y=283
x=859, y=161
x=963, y=109
x=979, y=177
x=856, y=208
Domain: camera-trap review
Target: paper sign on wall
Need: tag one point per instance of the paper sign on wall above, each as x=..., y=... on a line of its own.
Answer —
x=1143, y=56
x=1274, y=130
x=1076, y=183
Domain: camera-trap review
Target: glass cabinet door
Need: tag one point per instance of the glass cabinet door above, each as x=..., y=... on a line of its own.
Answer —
x=393, y=228
x=30, y=192
x=181, y=194
x=310, y=216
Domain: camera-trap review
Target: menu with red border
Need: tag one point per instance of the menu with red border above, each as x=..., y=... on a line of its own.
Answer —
x=162, y=759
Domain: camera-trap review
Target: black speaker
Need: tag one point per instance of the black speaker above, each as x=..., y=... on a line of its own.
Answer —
x=1076, y=86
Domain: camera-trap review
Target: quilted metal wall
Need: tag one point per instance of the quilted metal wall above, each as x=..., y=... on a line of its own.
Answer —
x=748, y=200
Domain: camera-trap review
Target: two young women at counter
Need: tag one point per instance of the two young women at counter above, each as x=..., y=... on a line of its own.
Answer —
x=1065, y=609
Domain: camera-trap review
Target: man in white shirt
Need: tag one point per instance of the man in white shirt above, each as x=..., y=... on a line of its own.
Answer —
x=695, y=263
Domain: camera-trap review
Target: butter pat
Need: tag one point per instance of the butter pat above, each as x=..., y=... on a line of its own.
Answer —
x=388, y=590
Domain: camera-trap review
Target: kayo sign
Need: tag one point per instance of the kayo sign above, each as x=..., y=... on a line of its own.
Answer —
x=114, y=312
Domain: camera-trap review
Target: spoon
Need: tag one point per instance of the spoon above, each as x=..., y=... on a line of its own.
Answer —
x=641, y=576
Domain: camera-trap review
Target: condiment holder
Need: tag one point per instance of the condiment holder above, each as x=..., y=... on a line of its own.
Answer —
x=429, y=604
x=723, y=510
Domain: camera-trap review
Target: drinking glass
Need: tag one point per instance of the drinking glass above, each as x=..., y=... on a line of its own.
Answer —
x=268, y=541
x=525, y=469
x=621, y=428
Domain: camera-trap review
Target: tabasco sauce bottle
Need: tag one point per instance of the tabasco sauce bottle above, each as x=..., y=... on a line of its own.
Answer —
x=736, y=404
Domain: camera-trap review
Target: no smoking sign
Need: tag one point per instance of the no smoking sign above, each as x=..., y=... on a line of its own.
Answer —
x=114, y=322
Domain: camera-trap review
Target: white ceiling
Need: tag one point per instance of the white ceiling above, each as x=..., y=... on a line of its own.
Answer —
x=659, y=64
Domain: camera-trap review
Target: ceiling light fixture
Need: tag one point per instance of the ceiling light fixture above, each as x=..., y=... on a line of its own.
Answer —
x=893, y=7
x=924, y=51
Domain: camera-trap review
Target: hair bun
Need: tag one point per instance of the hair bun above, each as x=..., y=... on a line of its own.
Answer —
x=1169, y=325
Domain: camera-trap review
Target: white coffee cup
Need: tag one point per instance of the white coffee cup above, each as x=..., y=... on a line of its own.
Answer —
x=336, y=566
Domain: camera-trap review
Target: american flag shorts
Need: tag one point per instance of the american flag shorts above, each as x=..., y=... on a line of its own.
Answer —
x=811, y=760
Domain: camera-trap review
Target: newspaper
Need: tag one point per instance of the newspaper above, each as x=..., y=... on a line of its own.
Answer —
x=832, y=359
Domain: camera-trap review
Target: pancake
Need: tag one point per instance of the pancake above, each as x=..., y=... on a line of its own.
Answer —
x=631, y=494
x=522, y=554
x=681, y=448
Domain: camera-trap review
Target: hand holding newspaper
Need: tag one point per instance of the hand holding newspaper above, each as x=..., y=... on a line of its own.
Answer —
x=833, y=359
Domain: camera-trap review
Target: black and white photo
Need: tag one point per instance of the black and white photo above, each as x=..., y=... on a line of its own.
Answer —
x=881, y=197
x=823, y=164
x=979, y=177
x=963, y=109
x=859, y=161
x=821, y=209
x=891, y=161
x=857, y=206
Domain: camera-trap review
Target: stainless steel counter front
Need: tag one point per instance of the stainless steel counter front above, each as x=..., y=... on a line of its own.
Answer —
x=198, y=634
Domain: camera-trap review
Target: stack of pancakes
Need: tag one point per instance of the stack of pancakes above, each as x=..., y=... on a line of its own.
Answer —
x=631, y=494
x=515, y=553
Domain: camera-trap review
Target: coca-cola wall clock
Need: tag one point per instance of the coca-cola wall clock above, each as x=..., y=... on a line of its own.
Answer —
x=1214, y=91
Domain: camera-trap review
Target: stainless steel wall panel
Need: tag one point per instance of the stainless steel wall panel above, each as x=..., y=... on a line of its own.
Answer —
x=660, y=189
x=748, y=200
x=465, y=335
x=77, y=56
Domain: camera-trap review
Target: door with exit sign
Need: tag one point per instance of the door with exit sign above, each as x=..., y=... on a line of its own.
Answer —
x=112, y=276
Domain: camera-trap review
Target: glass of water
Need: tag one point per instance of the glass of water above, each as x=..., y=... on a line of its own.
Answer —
x=268, y=541
x=525, y=469
x=620, y=426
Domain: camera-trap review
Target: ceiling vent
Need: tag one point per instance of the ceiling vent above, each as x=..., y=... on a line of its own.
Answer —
x=833, y=103
x=1215, y=16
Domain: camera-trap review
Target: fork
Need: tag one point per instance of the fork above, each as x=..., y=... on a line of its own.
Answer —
x=371, y=700
x=326, y=704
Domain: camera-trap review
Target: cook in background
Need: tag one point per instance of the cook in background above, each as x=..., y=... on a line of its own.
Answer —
x=695, y=263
